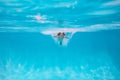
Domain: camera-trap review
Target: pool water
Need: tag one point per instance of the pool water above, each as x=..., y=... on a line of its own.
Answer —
x=28, y=50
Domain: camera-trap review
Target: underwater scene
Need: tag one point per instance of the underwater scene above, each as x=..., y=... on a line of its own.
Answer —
x=59, y=39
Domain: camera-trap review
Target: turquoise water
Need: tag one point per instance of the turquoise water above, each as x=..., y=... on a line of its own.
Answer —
x=29, y=52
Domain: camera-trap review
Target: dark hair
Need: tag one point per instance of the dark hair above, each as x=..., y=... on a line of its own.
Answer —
x=59, y=33
x=63, y=33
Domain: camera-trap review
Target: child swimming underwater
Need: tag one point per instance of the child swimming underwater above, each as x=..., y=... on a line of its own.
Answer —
x=60, y=36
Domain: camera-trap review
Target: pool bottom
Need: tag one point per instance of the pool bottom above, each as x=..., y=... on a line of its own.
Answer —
x=18, y=71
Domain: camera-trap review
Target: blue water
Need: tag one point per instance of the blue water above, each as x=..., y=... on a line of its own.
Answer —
x=92, y=53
